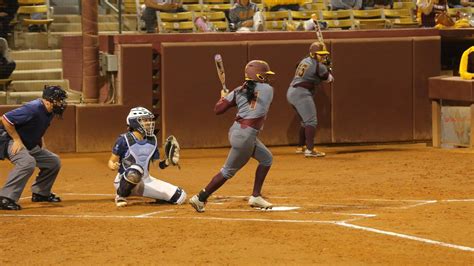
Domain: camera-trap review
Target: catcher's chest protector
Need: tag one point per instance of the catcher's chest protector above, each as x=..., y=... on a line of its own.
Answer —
x=139, y=152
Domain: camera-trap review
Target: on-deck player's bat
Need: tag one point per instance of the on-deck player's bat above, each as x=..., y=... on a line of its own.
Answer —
x=317, y=28
x=220, y=71
x=319, y=36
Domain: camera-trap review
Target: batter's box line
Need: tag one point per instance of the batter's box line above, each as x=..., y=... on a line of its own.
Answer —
x=339, y=223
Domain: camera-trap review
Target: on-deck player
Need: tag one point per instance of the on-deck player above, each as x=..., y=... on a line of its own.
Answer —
x=311, y=71
x=252, y=100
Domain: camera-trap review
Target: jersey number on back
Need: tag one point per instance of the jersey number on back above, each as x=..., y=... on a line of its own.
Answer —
x=301, y=69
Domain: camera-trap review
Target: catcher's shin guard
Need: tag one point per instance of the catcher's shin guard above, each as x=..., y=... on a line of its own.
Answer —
x=130, y=178
x=179, y=197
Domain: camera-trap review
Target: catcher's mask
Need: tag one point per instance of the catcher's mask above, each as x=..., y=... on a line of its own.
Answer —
x=258, y=70
x=141, y=120
x=57, y=96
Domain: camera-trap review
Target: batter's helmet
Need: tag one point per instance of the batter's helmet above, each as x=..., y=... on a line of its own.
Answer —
x=141, y=120
x=318, y=48
x=257, y=70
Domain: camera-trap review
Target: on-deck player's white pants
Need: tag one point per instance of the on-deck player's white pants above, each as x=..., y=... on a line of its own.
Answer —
x=151, y=187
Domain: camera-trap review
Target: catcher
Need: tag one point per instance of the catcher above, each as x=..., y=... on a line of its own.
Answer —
x=131, y=156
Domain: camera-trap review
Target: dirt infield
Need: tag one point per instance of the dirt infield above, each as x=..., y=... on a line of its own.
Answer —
x=390, y=204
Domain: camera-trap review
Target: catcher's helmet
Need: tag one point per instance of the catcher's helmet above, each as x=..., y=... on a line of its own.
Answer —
x=318, y=48
x=257, y=70
x=57, y=96
x=141, y=120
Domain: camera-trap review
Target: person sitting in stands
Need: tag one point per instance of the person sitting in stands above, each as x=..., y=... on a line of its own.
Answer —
x=8, y=9
x=278, y=5
x=36, y=27
x=7, y=65
x=151, y=6
x=346, y=4
x=245, y=16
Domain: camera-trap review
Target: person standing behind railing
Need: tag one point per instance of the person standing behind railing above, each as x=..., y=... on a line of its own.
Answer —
x=7, y=65
x=245, y=16
x=151, y=6
x=429, y=9
x=8, y=9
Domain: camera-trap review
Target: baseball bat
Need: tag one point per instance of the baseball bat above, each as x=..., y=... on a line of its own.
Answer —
x=317, y=28
x=220, y=71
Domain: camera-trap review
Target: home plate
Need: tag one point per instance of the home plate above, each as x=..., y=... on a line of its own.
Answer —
x=279, y=208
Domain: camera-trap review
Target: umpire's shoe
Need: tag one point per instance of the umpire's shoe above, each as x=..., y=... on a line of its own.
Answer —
x=8, y=204
x=40, y=198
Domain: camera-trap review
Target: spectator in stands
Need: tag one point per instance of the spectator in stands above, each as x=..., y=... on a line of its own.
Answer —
x=460, y=3
x=151, y=6
x=346, y=4
x=278, y=5
x=245, y=16
x=375, y=4
x=8, y=10
x=35, y=27
x=429, y=10
x=7, y=65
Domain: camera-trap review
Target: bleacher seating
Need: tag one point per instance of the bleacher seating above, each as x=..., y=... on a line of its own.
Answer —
x=175, y=22
x=462, y=10
x=340, y=23
x=340, y=19
x=276, y=20
x=315, y=6
x=218, y=20
x=370, y=19
x=130, y=6
x=28, y=7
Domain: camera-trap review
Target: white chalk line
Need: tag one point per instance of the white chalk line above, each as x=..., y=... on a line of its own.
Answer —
x=340, y=223
x=420, y=239
x=414, y=205
x=152, y=213
x=162, y=217
x=457, y=200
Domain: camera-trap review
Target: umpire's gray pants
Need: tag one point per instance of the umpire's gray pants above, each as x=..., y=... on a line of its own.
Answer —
x=303, y=101
x=25, y=162
x=245, y=145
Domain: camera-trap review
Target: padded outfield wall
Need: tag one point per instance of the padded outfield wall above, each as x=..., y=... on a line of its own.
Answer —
x=380, y=93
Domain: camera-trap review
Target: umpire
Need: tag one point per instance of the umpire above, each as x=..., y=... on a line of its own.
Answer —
x=21, y=141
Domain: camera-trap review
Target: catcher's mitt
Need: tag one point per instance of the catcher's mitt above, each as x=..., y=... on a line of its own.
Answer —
x=171, y=147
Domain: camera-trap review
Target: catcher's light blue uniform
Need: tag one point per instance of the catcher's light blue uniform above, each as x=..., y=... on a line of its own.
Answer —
x=132, y=151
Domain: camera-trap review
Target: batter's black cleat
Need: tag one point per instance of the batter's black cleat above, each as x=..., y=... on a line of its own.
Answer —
x=9, y=204
x=40, y=198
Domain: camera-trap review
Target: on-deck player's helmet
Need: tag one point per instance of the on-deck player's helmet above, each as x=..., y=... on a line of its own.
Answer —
x=57, y=96
x=141, y=120
x=318, y=48
x=257, y=70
